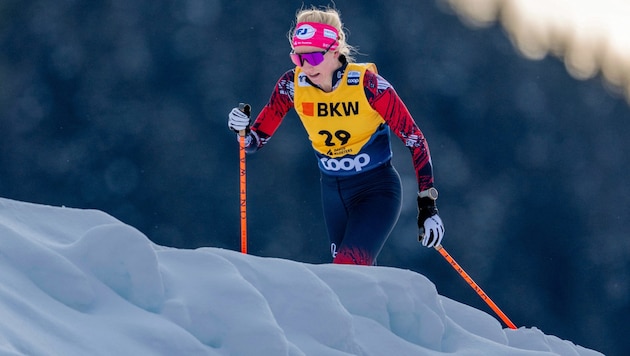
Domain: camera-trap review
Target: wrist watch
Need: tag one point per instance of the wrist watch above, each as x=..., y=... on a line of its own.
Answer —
x=430, y=193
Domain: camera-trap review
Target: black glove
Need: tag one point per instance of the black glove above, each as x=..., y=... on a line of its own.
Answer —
x=430, y=226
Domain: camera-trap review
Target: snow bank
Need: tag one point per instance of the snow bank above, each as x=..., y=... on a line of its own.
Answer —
x=79, y=282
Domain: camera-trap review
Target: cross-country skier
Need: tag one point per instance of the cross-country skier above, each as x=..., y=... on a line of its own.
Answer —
x=348, y=111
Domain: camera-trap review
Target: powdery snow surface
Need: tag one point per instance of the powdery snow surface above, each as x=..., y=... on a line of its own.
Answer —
x=80, y=282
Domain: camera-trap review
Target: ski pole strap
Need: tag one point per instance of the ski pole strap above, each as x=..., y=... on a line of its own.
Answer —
x=246, y=109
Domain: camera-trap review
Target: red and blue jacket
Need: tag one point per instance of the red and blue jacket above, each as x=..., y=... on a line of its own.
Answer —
x=350, y=126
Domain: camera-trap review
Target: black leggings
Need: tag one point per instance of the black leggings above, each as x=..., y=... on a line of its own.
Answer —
x=360, y=213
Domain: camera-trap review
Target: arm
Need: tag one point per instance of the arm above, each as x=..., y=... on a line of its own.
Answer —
x=384, y=99
x=270, y=117
x=388, y=104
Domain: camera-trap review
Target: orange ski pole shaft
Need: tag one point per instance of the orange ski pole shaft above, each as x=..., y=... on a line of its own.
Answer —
x=243, y=181
x=243, y=194
x=475, y=286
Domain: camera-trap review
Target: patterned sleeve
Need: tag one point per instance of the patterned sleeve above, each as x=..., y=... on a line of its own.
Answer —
x=270, y=117
x=384, y=99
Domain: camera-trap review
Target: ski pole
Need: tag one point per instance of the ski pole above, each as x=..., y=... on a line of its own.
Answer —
x=475, y=286
x=243, y=183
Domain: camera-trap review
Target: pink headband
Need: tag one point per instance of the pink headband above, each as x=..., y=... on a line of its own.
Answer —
x=315, y=34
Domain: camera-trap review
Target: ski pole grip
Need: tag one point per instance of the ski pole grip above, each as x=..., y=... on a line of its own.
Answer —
x=245, y=108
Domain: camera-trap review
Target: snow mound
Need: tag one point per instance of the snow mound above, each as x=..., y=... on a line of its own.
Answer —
x=80, y=282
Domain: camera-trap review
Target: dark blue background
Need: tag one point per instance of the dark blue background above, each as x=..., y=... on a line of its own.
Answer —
x=121, y=106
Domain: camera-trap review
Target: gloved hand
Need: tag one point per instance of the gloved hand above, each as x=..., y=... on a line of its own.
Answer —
x=430, y=226
x=238, y=120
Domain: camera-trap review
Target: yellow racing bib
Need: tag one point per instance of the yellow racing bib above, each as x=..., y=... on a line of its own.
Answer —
x=341, y=122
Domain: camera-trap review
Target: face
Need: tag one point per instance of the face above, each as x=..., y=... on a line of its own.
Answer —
x=320, y=74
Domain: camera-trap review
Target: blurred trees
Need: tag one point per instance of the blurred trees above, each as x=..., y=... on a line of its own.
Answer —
x=121, y=106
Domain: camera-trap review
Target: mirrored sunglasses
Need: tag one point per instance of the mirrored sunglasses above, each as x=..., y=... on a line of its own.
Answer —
x=313, y=58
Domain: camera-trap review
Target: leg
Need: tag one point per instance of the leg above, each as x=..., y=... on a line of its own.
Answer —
x=372, y=211
x=335, y=213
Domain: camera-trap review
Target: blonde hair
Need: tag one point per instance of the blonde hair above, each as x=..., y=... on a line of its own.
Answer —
x=329, y=16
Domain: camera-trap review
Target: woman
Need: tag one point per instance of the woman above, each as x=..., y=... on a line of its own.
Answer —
x=348, y=111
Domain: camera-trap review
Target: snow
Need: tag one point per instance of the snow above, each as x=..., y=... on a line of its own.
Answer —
x=80, y=282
